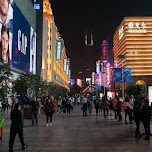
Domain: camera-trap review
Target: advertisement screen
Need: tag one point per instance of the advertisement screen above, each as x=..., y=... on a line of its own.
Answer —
x=33, y=51
x=58, y=49
x=150, y=94
x=6, y=31
x=21, y=42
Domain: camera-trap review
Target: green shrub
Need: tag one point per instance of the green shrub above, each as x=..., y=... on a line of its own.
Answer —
x=2, y=121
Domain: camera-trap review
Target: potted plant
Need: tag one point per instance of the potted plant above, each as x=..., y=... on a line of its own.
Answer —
x=2, y=122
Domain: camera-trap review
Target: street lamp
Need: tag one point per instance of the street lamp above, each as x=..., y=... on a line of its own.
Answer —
x=122, y=57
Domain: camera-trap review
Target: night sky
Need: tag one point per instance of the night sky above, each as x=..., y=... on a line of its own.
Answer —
x=99, y=17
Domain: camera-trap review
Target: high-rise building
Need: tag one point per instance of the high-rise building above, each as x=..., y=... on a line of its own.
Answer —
x=133, y=40
x=53, y=50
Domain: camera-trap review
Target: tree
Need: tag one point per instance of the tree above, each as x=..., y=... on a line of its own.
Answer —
x=136, y=90
x=30, y=84
x=5, y=75
x=56, y=90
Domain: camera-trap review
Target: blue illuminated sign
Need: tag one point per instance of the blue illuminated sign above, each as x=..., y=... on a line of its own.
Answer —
x=126, y=73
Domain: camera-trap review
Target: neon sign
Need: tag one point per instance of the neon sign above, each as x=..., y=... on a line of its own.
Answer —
x=137, y=27
x=104, y=50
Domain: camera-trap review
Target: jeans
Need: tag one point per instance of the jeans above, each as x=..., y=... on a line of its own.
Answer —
x=34, y=118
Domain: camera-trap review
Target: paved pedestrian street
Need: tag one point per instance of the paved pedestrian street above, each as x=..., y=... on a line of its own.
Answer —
x=78, y=133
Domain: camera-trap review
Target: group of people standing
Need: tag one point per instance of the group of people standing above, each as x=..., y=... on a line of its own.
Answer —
x=134, y=111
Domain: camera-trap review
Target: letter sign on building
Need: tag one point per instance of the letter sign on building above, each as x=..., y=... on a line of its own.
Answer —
x=137, y=27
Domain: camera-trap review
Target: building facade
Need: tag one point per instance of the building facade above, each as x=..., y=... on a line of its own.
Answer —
x=133, y=40
x=53, y=50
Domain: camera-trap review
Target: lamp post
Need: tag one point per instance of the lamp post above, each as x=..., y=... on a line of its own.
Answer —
x=122, y=57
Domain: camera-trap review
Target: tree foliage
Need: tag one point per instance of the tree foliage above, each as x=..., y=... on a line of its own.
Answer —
x=5, y=75
x=136, y=90
x=56, y=90
x=30, y=84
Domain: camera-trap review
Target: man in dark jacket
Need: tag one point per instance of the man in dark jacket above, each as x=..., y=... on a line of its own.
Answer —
x=34, y=110
x=137, y=118
x=16, y=127
x=145, y=116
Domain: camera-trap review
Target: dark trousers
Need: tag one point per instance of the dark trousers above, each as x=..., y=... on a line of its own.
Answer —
x=68, y=111
x=13, y=133
x=115, y=111
x=119, y=114
x=49, y=115
x=97, y=109
x=128, y=113
x=146, y=124
x=105, y=112
x=34, y=117
x=137, y=132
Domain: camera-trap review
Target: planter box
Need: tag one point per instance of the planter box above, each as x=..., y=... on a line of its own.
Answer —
x=55, y=103
x=1, y=133
x=27, y=113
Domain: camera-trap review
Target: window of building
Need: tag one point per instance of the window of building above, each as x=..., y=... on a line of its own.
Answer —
x=47, y=66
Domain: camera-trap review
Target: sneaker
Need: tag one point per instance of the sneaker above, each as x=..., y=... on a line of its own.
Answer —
x=50, y=124
x=25, y=146
x=47, y=125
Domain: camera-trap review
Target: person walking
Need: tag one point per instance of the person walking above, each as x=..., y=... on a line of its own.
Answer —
x=126, y=109
x=16, y=127
x=34, y=110
x=59, y=106
x=119, y=108
x=49, y=110
x=137, y=118
x=105, y=106
x=145, y=116
x=97, y=105
x=68, y=107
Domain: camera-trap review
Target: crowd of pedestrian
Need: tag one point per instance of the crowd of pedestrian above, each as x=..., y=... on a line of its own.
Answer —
x=135, y=112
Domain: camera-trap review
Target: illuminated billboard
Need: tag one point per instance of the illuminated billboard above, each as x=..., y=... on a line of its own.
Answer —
x=21, y=42
x=65, y=64
x=32, y=51
x=58, y=49
x=6, y=29
x=104, y=50
x=17, y=38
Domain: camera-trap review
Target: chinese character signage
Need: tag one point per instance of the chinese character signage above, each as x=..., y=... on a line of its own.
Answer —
x=65, y=64
x=105, y=50
x=98, y=67
x=58, y=49
x=108, y=74
x=137, y=27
